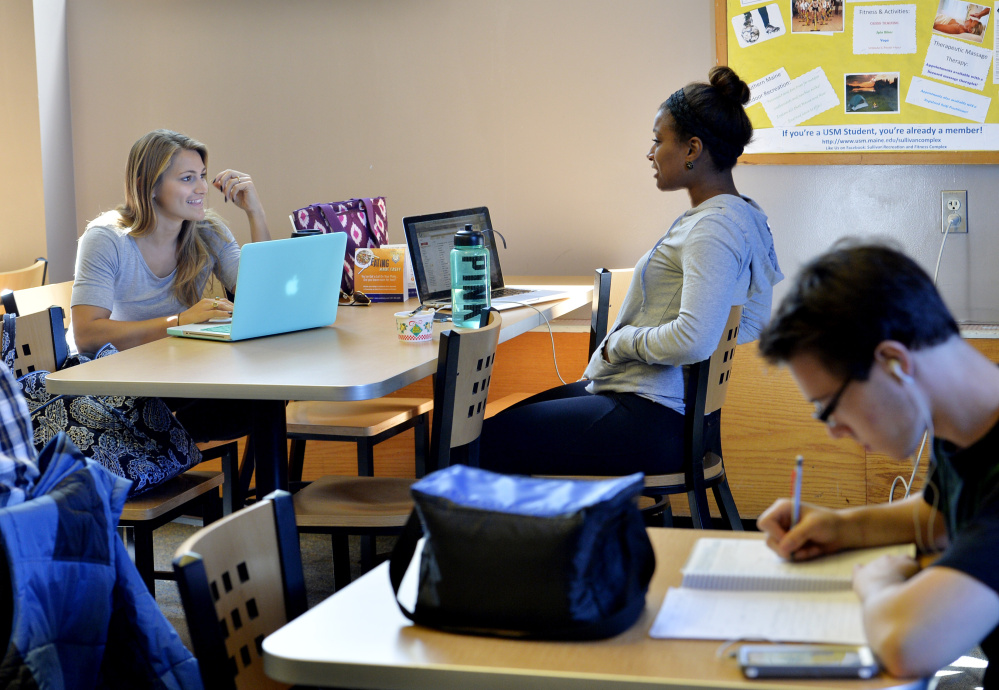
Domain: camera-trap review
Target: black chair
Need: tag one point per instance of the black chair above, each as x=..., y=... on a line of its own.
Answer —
x=707, y=384
x=240, y=579
x=343, y=506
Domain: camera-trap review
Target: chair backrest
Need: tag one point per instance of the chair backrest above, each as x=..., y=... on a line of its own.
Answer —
x=707, y=384
x=36, y=299
x=30, y=276
x=609, y=288
x=720, y=364
x=39, y=342
x=464, y=372
x=240, y=579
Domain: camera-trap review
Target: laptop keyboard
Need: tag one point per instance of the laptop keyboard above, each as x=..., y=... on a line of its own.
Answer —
x=508, y=292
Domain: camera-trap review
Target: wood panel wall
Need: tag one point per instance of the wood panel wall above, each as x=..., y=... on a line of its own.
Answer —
x=766, y=423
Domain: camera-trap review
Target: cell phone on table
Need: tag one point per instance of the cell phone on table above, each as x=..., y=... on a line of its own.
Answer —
x=807, y=661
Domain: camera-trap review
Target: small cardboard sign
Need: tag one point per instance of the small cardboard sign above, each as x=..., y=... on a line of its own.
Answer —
x=380, y=272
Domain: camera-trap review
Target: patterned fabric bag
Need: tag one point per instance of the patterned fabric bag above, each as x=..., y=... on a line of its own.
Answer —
x=135, y=438
x=363, y=220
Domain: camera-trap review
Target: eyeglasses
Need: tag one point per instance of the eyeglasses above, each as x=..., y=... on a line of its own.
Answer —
x=358, y=299
x=825, y=415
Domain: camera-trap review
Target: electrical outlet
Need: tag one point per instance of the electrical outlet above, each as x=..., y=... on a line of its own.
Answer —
x=954, y=211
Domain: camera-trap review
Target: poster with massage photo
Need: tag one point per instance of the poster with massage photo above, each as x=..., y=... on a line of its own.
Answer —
x=959, y=19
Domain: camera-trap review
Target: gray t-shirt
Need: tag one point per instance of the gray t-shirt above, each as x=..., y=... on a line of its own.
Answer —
x=715, y=256
x=111, y=274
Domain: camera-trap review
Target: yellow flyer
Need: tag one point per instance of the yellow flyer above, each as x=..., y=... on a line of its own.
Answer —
x=380, y=273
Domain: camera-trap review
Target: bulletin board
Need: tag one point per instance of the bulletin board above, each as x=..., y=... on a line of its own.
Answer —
x=865, y=81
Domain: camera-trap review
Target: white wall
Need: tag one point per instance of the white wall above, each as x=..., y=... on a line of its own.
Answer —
x=540, y=109
x=22, y=211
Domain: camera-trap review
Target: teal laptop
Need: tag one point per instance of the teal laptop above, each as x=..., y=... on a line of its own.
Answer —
x=282, y=286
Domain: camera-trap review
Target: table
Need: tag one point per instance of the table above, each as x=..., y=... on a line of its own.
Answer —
x=357, y=358
x=358, y=638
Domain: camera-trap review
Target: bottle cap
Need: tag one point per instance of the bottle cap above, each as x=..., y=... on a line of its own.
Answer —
x=468, y=237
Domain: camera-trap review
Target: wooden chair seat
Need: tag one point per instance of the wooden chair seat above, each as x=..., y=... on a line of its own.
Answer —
x=662, y=483
x=169, y=495
x=360, y=418
x=362, y=502
x=365, y=423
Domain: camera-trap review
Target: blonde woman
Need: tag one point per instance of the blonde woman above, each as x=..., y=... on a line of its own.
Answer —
x=144, y=266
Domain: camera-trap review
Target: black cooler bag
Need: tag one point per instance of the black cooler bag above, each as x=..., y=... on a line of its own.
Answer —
x=523, y=557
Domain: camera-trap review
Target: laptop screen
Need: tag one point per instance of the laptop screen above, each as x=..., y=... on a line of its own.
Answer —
x=431, y=239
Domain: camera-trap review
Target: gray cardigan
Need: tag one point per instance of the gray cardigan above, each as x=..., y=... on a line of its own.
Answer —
x=714, y=256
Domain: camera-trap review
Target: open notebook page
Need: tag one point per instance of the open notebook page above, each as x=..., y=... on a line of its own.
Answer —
x=719, y=563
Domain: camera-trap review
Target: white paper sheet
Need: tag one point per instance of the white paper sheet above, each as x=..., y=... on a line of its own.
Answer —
x=703, y=614
x=769, y=86
x=884, y=29
x=957, y=62
x=947, y=99
x=808, y=95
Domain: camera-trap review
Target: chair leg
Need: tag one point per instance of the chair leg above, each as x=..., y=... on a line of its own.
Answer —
x=723, y=497
x=296, y=460
x=365, y=458
x=700, y=515
x=421, y=442
x=246, y=468
x=143, y=541
x=341, y=561
x=367, y=552
x=211, y=507
x=666, y=516
x=232, y=496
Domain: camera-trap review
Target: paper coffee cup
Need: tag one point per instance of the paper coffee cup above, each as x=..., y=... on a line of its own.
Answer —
x=415, y=328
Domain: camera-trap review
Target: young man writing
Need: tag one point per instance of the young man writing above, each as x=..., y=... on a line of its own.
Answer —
x=869, y=341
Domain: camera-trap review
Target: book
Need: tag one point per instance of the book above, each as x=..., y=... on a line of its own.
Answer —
x=740, y=589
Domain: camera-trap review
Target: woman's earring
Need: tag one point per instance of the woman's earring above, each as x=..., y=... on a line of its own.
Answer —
x=689, y=165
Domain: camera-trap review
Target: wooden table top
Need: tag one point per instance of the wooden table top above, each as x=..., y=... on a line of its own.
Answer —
x=359, y=357
x=359, y=638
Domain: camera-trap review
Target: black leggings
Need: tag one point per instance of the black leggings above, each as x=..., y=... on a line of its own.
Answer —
x=566, y=430
x=213, y=420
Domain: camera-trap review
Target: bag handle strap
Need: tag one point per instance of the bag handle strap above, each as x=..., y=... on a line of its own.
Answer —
x=402, y=556
x=369, y=209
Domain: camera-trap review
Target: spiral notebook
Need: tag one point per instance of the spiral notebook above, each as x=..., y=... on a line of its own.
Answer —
x=740, y=589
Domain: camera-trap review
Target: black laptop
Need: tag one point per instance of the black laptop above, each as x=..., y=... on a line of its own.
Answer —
x=431, y=239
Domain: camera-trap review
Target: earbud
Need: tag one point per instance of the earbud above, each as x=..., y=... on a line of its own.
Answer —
x=896, y=370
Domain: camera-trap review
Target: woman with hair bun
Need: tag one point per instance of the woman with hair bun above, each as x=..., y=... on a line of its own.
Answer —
x=626, y=414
